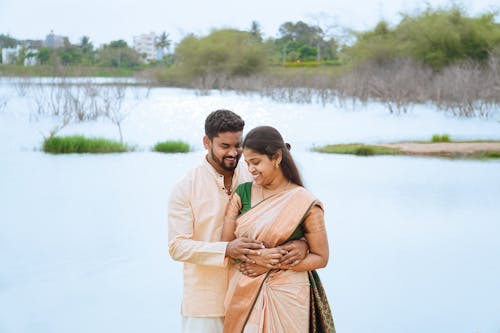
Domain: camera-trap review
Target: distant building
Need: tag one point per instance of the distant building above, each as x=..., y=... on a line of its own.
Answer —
x=53, y=41
x=160, y=54
x=33, y=43
x=11, y=55
x=145, y=45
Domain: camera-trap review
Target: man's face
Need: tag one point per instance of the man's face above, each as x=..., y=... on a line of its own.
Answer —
x=224, y=150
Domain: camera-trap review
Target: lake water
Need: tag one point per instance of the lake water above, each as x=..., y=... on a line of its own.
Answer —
x=415, y=242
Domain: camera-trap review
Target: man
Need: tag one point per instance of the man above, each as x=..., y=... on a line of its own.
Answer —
x=196, y=213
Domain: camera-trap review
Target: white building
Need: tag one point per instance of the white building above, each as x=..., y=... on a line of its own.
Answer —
x=11, y=55
x=145, y=45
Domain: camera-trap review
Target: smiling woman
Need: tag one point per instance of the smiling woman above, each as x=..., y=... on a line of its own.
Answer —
x=277, y=209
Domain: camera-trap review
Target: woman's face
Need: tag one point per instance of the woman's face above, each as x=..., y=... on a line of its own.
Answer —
x=263, y=169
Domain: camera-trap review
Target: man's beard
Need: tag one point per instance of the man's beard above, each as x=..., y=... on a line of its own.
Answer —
x=221, y=164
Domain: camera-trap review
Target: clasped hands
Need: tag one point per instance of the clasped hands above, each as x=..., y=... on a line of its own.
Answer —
x=256, y=259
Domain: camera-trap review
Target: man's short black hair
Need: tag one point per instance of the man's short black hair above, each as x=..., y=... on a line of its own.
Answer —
x=221, y=121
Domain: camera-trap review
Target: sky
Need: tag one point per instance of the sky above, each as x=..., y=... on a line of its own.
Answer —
x=107, y=20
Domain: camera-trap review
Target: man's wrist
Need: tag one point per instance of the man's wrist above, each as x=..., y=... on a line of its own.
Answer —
x=226, y=253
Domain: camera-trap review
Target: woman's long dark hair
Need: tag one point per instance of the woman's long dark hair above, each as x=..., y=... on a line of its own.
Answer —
x=268, y=141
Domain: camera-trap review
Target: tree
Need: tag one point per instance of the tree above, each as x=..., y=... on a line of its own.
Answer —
x=21, y=56
x=255, y=31
x=86, y=49
x=225, y=52
x=7, y=42
x=69, y=55
x=163, y=42
x=117, y=55
x=300, y=32
x=307, y=53
x=117, y=44
x=43, y=55
x=294, y=36
x=379, y=45
x=86, y=45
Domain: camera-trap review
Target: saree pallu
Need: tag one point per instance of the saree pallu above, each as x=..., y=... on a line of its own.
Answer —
x=279, y=301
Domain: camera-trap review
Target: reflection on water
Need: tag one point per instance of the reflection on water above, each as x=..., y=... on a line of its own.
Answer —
x=83, y=241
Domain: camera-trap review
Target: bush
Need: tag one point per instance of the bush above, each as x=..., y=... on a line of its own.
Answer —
x=490, y=154
x=441, y=138
x=364, y=151
x=172, y=147
x=79, y=144
x=437, y=37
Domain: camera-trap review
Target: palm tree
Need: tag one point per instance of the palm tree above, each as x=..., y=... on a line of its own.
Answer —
x=163, y=42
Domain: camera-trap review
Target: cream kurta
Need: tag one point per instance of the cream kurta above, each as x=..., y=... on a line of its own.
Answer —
x=196, y=213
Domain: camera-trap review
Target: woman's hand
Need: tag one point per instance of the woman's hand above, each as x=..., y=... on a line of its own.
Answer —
x=296, y=251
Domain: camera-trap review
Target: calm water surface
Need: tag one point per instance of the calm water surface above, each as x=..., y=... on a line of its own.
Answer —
x=83, y=243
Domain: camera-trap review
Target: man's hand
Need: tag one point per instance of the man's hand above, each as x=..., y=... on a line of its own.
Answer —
x=239, y=248
x=268, y=258
x=296, y=251
x=252, y=270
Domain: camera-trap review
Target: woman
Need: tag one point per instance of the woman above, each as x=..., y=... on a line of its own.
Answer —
x=275, y=208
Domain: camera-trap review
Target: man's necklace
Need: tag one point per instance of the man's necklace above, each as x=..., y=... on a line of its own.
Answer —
x=221, y=183
x=228, y=190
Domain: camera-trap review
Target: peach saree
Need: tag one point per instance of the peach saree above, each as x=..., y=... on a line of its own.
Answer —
x=278, y=301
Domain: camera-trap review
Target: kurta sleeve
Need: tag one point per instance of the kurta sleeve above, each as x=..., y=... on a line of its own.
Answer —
x=233, y=209
x=181, y=224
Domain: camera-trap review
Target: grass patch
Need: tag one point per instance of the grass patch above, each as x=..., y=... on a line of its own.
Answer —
x=489, y=155
x=172, y=147
x=440, y=138
x=79, y=144
x=357, y=149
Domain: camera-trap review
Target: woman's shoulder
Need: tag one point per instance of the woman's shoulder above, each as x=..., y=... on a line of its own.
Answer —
x=307, y=196
x=301, y=190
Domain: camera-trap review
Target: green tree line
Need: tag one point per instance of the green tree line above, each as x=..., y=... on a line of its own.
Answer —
x=435, y=37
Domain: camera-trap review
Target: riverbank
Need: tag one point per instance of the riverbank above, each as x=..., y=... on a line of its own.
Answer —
x=461, y=149
x=66, y=71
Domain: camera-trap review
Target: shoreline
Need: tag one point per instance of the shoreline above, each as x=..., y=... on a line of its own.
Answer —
x=445, y=149
x=458, y=149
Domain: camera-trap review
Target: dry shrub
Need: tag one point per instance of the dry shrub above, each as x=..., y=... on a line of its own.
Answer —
x=468, y=89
